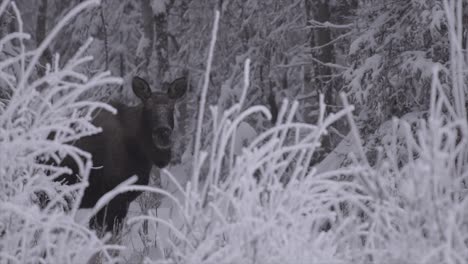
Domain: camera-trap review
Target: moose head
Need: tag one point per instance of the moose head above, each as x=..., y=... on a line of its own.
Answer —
x=158, y=116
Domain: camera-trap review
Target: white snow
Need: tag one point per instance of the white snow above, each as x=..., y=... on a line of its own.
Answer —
x=245, y=134
x=159, y=6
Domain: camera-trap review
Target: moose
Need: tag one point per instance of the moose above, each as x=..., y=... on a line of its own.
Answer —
x=131, y=142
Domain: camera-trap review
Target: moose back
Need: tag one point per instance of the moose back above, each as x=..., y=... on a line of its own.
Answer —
x=131, y=142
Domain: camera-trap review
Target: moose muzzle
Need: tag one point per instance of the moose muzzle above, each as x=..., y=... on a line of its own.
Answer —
x=162, y=137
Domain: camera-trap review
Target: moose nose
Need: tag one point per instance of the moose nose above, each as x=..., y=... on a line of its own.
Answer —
x=163, y=132
x=162, y=137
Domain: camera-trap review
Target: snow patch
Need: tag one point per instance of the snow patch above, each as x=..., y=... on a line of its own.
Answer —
x=338, y=156
x=142, y=45
x=158, y=6
x=245, y=134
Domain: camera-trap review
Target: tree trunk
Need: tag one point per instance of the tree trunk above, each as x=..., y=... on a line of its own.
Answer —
x=148, y=34
x=322, y=37
x=319, y=37
x=41, y=31
x=162, y=48
x=104, y=32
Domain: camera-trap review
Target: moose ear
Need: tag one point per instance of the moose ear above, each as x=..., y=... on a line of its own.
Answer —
x=141, y=88
x=177, y=88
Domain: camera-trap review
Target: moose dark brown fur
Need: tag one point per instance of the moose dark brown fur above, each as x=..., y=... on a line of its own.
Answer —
x=131, y=142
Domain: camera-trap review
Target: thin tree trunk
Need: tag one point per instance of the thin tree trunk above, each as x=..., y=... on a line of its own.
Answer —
x=41, y=31
x=320, y=11
x=104, y=32
x=162, y=48
x=148, y=34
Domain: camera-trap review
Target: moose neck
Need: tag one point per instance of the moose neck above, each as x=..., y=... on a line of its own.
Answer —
x=138, y=136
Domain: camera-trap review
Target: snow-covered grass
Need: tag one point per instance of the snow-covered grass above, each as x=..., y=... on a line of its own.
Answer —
x=38, y=107
x=267, y=204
